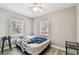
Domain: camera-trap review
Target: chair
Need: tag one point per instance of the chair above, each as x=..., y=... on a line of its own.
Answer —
x=71, y=45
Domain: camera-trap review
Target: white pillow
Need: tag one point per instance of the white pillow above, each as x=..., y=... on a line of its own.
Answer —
x=30, y=36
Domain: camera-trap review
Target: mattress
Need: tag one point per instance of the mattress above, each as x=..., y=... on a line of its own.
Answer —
x=35, y=48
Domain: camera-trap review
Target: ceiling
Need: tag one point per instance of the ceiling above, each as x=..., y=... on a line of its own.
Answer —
x=25, y=8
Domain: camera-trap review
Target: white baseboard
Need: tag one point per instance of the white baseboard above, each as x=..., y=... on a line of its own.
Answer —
x=57, y=47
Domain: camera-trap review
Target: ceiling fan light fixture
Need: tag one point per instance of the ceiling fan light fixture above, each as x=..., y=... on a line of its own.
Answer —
x=36, y=8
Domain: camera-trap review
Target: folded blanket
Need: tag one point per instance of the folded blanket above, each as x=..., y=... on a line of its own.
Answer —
x=24, y=43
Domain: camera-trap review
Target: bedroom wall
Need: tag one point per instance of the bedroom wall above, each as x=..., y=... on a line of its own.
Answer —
x=77, y=9
x=4, y=18
x=62, y=26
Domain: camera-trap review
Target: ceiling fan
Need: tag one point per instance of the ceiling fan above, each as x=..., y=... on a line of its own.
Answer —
x=36, y=7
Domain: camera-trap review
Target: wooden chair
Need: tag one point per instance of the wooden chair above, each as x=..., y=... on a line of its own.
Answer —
x=71, y=45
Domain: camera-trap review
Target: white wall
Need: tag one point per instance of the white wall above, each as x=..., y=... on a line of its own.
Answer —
x=62, y=26
x=4, y=18
x=77, y=11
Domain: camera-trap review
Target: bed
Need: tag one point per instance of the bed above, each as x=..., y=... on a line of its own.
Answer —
x=34, y=48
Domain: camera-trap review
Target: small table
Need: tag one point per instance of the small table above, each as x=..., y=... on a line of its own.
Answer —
x=71, y=45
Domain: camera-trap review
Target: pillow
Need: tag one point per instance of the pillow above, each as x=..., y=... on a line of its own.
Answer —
x=30, y=36
x=25, y=38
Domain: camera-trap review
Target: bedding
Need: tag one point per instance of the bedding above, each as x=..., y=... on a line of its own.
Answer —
x=38, y=40
x=35, y=47
x=23, y=42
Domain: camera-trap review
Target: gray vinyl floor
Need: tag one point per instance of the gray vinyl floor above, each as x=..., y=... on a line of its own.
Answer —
x=50, y=51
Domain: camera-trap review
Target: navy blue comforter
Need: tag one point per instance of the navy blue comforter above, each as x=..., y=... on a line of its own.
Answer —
x=38, y=40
